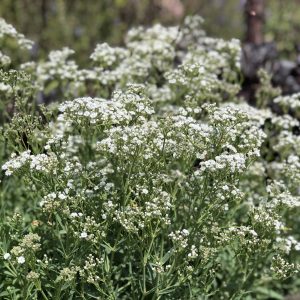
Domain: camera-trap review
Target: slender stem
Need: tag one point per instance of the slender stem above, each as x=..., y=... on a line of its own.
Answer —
x=44, y=295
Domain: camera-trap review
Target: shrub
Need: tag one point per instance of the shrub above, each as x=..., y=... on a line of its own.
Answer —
x=155, y=182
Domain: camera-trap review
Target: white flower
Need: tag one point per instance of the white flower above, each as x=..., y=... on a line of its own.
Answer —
x=62, y=196
x=7, y=256
x=21, y=260
x=83, y=235
x=185, y=232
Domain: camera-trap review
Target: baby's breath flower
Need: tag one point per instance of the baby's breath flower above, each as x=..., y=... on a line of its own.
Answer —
x=83, y=235
x=32, y=276
x=153, y=177
x=7, y=256
x=21, y=260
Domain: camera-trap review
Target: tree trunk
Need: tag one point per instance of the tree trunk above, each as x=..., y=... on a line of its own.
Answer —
x=254, y=16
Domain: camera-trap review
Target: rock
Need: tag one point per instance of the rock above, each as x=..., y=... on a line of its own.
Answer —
x=255, y=57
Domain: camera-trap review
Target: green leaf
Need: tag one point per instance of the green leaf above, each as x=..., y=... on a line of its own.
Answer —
x=51, y=86
x=167, y=256
x=168, y=290
x=106, y=264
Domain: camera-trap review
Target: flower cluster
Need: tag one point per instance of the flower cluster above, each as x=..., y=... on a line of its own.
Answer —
x=8, y=31
x=40, y=163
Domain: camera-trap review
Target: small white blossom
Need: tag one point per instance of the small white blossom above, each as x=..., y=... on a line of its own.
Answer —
x=7, y=256
x=21, y=260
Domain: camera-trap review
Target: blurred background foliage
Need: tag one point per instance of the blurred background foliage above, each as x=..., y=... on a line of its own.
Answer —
x=81, y=24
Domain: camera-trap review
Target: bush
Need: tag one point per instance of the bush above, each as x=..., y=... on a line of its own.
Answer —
x=156, y=182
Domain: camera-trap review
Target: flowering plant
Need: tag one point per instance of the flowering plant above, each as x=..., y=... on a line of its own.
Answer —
x=160, y=184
